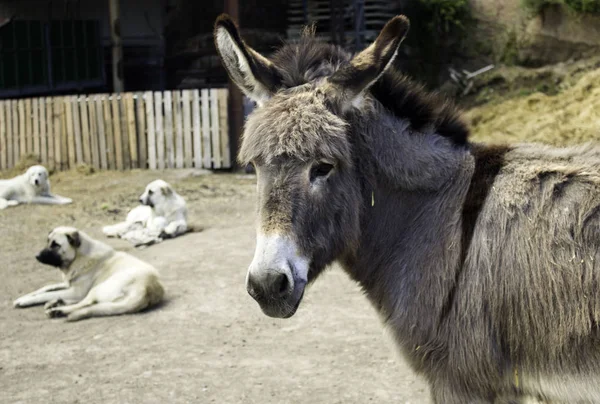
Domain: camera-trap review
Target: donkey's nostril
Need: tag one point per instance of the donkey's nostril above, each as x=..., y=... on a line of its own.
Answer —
x=283, y=284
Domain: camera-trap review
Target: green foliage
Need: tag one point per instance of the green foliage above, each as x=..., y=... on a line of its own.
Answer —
x=578, y=6
x=447, y=16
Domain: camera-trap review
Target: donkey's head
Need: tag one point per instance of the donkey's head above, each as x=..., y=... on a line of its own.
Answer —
x=300, y=142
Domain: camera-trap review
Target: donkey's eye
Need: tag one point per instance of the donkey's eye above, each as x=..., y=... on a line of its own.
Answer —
x=320, y=170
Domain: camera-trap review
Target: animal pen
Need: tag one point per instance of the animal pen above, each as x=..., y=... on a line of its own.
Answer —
x=155, y=130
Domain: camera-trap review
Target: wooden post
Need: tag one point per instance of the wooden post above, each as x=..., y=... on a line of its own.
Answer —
x=117, y=46
x=236, y=100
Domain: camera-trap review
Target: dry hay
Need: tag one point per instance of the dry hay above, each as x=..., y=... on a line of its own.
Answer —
x=572, y=116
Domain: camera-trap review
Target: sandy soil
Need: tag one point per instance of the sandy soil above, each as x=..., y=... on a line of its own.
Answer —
x=208, y=342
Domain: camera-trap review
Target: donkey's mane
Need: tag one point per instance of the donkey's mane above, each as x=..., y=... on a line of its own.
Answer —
x=310, y=60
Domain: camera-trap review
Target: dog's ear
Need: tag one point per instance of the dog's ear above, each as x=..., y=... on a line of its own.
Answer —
x=74, y=239
x=166, y=190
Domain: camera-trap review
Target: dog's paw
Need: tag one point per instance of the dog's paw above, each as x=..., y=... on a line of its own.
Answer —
x=55, y=312
x=19, y=303
x=54, y=303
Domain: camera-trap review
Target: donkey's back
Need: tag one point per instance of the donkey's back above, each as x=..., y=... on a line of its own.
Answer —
x=533, y=266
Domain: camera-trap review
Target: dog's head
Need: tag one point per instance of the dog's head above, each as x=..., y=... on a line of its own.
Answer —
x=37, y=176
x=156, y=193
x=61, y=251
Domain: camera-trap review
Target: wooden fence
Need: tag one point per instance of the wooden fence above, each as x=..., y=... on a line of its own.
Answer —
x=156, y=130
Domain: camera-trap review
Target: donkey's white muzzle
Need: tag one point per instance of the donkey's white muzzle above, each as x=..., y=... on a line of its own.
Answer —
x=277, y=275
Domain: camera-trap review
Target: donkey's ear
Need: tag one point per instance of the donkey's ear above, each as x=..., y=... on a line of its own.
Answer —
x=253, y=73
x=368, y=66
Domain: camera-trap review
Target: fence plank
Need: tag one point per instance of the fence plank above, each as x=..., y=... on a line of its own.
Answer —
x=28, y=130
x=15, y=131
x=68, y=106
x=131, y=133
x=224, y=128
x=108, y=127
x=10, y=134
x=116, y=121
x=57, y=130
x=35, y=122
x=214, y=127
x=3, y=142
x=50, y=132
x=187, y=128
x=178, y=129
x=90, y=106
x=168, y=103
x=98, y=101
x=151, y=139
x=160, y=137
x=85, y=129
x=22, y=136
x=141, y=130
x=206, y=129
x=124, y=132
x=77, y=132
x=197, y=135
x=43, y=131
x=64, y=152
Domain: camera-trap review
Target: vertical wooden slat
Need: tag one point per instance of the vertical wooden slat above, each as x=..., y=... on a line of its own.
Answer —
x=93, y=122
x=141, y=130
x=197, y=129
x=15, y=130
x=57, y=130
x=68, y=106
x=108, y=127
x=35, y=120
x=187, y=128
x=28, y=129
x=160, y=137
x=168, y=102
x=178, y=129
x=10, y=135
x=151, y=139
x=214, y=128
x=116, y=121
x=77, y=132
x=85, y=129
x=43, y=128
x=22, y=134
x=64, y=152
x=50, y=132
x=224, y=128
x=131, y=133
x=124, y=132
x=3, y=142
x=206, y=129
x=101, y=132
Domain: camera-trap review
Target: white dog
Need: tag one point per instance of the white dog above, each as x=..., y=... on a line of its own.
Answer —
x=162, y=214
x=31, y=187
x=98, y=281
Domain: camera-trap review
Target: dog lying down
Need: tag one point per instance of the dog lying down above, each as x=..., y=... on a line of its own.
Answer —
x=98, y=281
x=31, y=187
x=161, y=215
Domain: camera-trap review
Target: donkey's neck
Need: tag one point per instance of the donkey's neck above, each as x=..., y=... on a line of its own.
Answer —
x=409, y=254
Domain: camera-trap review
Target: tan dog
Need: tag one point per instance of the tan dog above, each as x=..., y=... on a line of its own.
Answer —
x=98, y=281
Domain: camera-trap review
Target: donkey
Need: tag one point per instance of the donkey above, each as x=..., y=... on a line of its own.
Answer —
x=481, y=259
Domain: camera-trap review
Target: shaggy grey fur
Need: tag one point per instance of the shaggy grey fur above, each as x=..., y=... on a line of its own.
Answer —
x=481, y=260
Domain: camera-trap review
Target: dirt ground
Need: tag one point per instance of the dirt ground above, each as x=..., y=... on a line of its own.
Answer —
x=209, y=342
